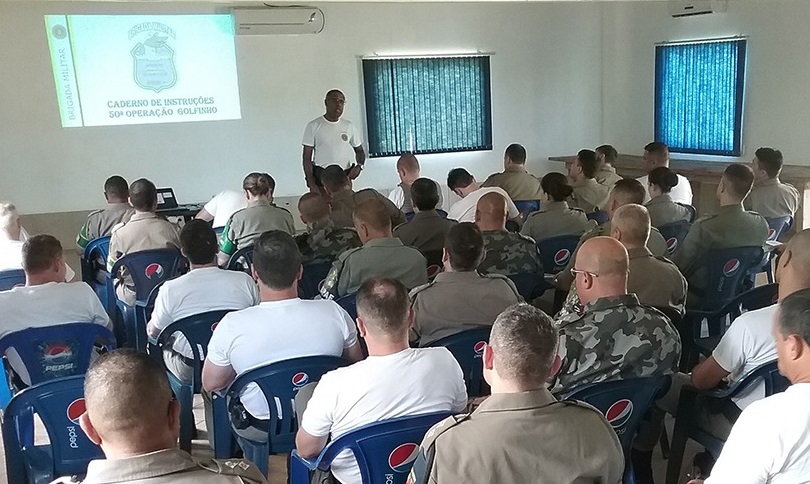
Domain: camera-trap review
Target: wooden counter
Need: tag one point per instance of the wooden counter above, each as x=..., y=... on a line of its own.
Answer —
x=705, y=176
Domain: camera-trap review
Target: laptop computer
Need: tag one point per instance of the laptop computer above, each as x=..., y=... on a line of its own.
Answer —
x=166, y=199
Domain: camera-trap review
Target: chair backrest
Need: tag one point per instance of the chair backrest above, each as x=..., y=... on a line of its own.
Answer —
x=279, y=382
x=757, y=298
x=57, y=351
x=309, y=285
x=148, y=268
x=600, y=217
x=529, y=284
x=674, y=234
x=467, y=348
x=768, y=373
x=727, y=270
x=96, y=249
x=11, y=279
x=241, y=260
x=623, y=403
x=197, y=329
x=778, y=227
x=692, y=211
x=386, y=450
x=556, y=252
x=441, y=213
x=349, y=304
x=58, y=403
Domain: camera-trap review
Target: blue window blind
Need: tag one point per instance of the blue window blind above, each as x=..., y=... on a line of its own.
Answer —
x=699, y=96
x=427, y=105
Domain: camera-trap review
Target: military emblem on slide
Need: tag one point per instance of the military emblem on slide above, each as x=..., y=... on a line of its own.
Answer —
x=401, y=458
x=154, y=67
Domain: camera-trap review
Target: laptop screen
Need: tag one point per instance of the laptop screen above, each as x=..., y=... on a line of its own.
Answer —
x=166, y=199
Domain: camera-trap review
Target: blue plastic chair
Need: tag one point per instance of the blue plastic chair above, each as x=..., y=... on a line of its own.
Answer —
x=241, y=260
x=93, y=264
x=11, y=278
x=728, y=274
x=279, y=382
x=674, y=234
x=147, y=268
x=686, y=424
x=310, y=282
x=599, y=217
x=467, y=348
x=529, y=285
x=526, y=207
x=385, y=451
x=58, y=403
x=349, y=304
x=197, y=329
x=556, y=252
x=624, y=404
x=777, y=228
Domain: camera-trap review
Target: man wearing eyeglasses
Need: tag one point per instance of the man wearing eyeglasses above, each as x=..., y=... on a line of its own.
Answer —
x=612, y=337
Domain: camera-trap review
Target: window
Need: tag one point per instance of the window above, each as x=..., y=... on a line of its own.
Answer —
x=427, y=105
x=699, y=96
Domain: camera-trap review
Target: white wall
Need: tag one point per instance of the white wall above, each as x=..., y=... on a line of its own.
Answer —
x=546, y=94
x=777, y=111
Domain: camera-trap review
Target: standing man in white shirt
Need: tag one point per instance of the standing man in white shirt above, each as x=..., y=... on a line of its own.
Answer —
x=329, y=140
x=463, y=184
x=657, y=154
x=204, y=288
x=394, y=381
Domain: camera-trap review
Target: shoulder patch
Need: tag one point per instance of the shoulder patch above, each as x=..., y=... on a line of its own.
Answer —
x=233, y=467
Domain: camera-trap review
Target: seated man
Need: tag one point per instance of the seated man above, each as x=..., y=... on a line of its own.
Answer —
x=343, y=199
x=521, y=433
x=613, y=337
x=515, y=180
x=427, y=230
x=323, y=242
x=657, y=154
x=606, y=155
x=459, y=298
x=464, y=185
x=204, y=288
x=219, y=209
x=769, y=441
x=281, y=327
x=730, y=227
x=145, y=230
x=770, y=197
x=382, y=254
x=46, y=300
x=589, y=195
x=394, y=381
x=507, y=253
x=134, y=418
x=118, y=210
x=408, y=171
x=654, y=280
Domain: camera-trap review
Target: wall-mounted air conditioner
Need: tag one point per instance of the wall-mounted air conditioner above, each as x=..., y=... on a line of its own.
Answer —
x=278, y=20
x=689, y=8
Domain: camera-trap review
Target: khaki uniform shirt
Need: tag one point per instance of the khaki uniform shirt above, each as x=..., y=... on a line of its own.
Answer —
x=101, y=222
x=324, y=242
x=615, y=338
x=425, y=232
x=517, y=438
x=343, y=204
x=589, y=195
x=170, y=466
x=730, y=227
x=517, y=182
x=385, y=257
x=555, y=219
x=656, y=281
x=607, y=176
x=663, y=210
x=247, y=224
x=457, y=301
x=509, y=253
x=772, y=198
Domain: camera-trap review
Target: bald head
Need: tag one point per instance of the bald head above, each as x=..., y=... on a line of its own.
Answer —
x=313, y=208
x=491, y=212
x=604, y=263
x=372, y=220
x=408, y=168
x=630, y=225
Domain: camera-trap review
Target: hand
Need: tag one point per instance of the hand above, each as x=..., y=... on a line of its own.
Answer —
x=354, y=171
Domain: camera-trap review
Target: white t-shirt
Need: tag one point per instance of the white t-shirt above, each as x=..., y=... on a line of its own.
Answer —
x=334, y=143
x=47, y=305
x=223, y=205
x=747, y=344
x=199, y=291
x=411, y=382
x=397, y=197
x=769, y=443
x=11, y=257
x=681, y=193
x=275, y=331
x=464, y=209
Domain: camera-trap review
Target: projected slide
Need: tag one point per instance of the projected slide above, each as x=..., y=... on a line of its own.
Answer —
x=140, y=69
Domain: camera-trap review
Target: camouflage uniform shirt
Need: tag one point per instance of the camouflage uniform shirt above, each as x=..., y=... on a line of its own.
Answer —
x=324, y=242
x=509, y=253
x=615, y=338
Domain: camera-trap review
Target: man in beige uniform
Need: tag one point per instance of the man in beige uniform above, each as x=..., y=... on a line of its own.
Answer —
x=589, y=195
x=132, y=415
x=770, y=197
x=606, y=155
x=144, y=231
x=655, y=280
x=515, y=180
x=343, y=199
x=459, y=298
x=521, y=433
x=382, y=254
x=730, y=227
x=427, y=230
x=101, y=222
